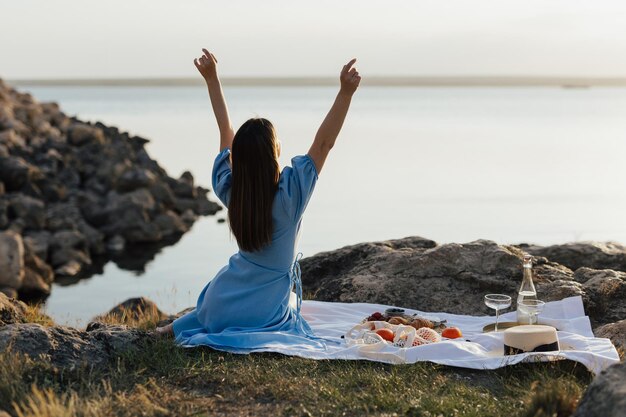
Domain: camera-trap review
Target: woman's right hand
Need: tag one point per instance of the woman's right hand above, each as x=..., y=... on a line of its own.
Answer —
x=207, y=65
x=349, y=78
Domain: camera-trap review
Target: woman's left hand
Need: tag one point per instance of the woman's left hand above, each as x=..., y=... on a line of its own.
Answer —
x=207, y=65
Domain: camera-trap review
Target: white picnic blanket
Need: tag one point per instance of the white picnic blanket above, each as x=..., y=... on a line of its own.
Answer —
x=476, y=350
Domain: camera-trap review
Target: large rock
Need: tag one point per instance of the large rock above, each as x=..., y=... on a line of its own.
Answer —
x=129, y=215
x=15, y=172
x=416, y=273
x=30, y=210
x=68, y=348
x=69, y=252
x=133, y=309
x=80, y=134
x=616, y=332
x=596, y=255
x=38, y=242
x=604, y=292
x=38, y=275
x=606, y=396
x=11, y=310
x=170, y=223
x=11, y=260
x=135, y=178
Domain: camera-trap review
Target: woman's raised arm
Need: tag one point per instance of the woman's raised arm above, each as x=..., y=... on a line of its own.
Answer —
x=329, y=130
x=207, y=65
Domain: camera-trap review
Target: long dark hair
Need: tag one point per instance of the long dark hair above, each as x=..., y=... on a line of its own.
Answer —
x=255, y=174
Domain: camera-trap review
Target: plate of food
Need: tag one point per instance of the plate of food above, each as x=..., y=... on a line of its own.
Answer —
x=400, y=316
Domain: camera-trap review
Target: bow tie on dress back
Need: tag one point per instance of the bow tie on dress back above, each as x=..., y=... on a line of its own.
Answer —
x=296, y=280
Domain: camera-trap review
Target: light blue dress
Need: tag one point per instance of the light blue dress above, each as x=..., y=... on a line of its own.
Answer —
x=247, y=305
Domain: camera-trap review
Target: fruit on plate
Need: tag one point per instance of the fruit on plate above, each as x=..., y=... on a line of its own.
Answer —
x=386, y=334
x=452, y=333
x=428, y=334
x=377, y=316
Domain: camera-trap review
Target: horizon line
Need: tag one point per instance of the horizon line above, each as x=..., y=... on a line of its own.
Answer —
x=388, y=81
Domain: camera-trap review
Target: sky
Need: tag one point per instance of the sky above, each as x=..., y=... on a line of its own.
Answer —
x=159, y=38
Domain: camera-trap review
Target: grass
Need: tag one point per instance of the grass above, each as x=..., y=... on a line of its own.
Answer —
x=166, y=380
x=33, y=314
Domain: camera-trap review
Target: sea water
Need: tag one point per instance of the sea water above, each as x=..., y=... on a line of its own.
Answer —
x=542, y=165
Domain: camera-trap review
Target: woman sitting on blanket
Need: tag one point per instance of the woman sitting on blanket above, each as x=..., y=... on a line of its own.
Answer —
x=250, y=304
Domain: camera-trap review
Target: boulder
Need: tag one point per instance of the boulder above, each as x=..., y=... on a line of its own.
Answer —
x=163, y=194
x=184, y=186
x=129, y=215
x=68, y=348
x=15, y=172
x=205, y=207
x=596, y=255
x=11, y=259
x=606, y=396
x=116, y=338
x=30, y=210
x=38, y=275
x=69, y=252
x=170, y=223
x=63, y=216
x=10, y=138
x=189, y=216
x=38, y=242
x=81, y=134
x=35, y=285
x=11, y=310
x=135, y=178
x=135, y=308
x=604, y=294
x=417, y=273
x=616, y=332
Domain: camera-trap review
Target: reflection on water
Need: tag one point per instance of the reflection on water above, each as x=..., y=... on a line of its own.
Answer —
x=541, y=165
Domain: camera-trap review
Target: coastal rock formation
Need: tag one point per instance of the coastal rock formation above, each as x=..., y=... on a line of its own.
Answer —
x=71, y=191
x=596, y=255
x=606, y=396
x=67, y=348
x=63, y=347
x=417, y=273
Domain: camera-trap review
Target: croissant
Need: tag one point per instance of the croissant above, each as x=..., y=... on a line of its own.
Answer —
x=398, y=320
x=419, y=322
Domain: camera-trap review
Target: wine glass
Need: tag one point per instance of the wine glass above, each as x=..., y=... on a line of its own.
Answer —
x=532, y=308
x=497, y=302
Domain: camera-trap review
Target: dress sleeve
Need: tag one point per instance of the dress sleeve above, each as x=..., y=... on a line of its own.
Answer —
x=296, y=185
x=221, y=177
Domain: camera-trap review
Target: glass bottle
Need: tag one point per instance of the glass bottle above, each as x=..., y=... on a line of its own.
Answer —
x=527, y=290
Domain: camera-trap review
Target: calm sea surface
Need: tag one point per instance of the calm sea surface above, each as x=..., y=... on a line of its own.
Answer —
x=543, y=165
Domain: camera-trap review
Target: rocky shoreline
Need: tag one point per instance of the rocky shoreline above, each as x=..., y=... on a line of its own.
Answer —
x=412, y=272
x=75, y=194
